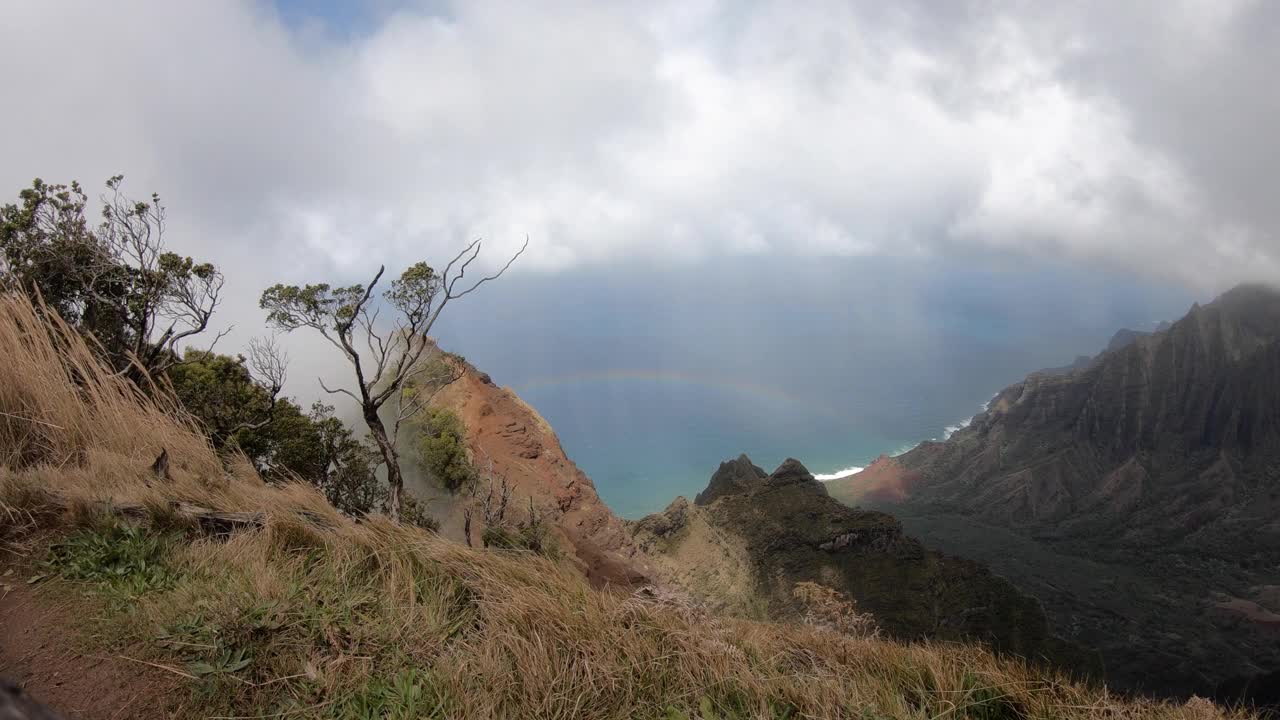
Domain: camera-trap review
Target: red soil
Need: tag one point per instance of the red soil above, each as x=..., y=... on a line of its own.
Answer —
x=39, y=651
x=521, y=445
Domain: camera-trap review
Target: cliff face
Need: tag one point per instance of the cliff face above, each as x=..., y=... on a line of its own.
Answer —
x=503, y=430
x=1173, y=435
x=1159, y=459
x=773, y=531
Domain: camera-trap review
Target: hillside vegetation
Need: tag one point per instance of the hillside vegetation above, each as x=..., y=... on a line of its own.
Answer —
x=266, y=602
x=782, y=529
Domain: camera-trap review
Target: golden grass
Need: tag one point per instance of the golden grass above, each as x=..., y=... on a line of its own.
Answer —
x=379, y=620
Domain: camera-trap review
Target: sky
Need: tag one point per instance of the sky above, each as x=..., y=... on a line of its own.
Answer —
x=300, y=142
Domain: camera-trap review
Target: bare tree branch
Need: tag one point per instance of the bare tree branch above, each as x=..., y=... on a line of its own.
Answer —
x=344, y=391
x=487, y=278
x=392, y=359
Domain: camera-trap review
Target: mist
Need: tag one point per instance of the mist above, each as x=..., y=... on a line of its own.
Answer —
x=652, y=379
x=800, y=201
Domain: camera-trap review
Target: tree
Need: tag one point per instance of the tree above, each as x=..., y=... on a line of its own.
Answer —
x=48, y=248
x=238, y=405
x=161, y=289
x=235, y=398
x=115, y=281
x=383, y=360
x=348, y=479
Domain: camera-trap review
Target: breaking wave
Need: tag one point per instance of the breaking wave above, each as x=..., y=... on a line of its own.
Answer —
x=950, y=430
x=947, y=432
x=826, y=477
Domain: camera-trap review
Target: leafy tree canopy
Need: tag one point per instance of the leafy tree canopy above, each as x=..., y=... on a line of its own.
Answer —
x=116, y=280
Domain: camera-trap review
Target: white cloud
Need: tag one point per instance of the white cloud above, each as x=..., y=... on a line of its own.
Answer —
x=685, y=130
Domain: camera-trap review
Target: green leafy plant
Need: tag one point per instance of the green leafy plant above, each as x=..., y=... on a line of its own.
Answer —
x=121, y=557
x=225, y=663
x=407, y=695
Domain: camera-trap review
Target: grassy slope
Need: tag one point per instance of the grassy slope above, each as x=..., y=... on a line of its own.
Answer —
x=317, y=616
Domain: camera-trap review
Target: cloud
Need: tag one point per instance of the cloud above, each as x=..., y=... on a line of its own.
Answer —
x=1135, y=137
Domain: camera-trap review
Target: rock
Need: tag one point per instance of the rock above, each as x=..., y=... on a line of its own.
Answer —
x=1124, y=338
x=661, y=527
x=733, y=476
x=793, y=472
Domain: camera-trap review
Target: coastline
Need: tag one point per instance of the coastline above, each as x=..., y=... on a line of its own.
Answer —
x=947, y=432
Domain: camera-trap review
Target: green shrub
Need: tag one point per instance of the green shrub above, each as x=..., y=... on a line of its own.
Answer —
x=415, y=513
x=442, y=449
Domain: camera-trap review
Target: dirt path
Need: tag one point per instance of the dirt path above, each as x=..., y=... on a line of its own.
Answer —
x=39, y=650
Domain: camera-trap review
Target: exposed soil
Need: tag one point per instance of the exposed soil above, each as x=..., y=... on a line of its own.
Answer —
x=510, y=435
x=885, y=480
x=40, y=651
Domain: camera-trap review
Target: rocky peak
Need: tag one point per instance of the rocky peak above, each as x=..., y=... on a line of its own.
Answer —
x=663, y=525
x=1124, y=337
x=733, y=476
x=792, y=472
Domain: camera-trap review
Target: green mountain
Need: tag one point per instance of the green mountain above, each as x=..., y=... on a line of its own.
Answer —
x=1137, y=496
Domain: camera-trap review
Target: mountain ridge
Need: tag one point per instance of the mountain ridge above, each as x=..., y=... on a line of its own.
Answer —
x=782, y=529
x=1157, y=459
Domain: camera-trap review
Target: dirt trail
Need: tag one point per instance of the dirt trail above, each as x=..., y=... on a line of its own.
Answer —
x=39, y=651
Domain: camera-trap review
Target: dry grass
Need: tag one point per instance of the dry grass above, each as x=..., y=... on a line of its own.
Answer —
x=378, y=620
x=70, y=427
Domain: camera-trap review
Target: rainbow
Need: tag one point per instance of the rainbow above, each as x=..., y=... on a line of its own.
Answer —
x=763, y=394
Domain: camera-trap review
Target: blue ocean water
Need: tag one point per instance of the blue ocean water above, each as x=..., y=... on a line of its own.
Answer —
x=652, y=377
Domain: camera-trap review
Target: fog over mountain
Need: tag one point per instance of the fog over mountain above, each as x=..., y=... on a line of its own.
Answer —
x=840, y=358
x=1134, y=137
x=300, y=142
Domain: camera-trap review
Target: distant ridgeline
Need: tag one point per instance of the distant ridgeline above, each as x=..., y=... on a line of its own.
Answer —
x=1135, y=494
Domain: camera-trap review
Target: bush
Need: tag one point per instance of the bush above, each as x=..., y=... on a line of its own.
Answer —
x=414, y=513
x=442, y=449
x=281, y=441
x=534, y=539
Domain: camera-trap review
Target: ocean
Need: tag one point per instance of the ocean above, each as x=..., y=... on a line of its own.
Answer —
x=651, y=379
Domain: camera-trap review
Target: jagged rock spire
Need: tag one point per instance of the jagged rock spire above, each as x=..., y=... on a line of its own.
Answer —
x=732, y=476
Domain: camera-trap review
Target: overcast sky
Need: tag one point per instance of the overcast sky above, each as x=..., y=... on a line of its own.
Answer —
x=296, y=142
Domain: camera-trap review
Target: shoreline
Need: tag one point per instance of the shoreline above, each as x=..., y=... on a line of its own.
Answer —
x=947, y=432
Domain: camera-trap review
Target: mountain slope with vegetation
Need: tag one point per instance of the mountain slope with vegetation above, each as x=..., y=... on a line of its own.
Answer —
x=781, y=530
x=1137, y=497
x=264, y=601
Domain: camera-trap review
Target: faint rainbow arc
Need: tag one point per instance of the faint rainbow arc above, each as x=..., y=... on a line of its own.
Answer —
x=730, y=386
